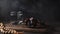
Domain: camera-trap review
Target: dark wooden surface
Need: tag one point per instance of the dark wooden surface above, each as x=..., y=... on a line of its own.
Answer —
x=25, y=28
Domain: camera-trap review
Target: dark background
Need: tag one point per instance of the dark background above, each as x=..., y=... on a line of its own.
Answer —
x=45, y=9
